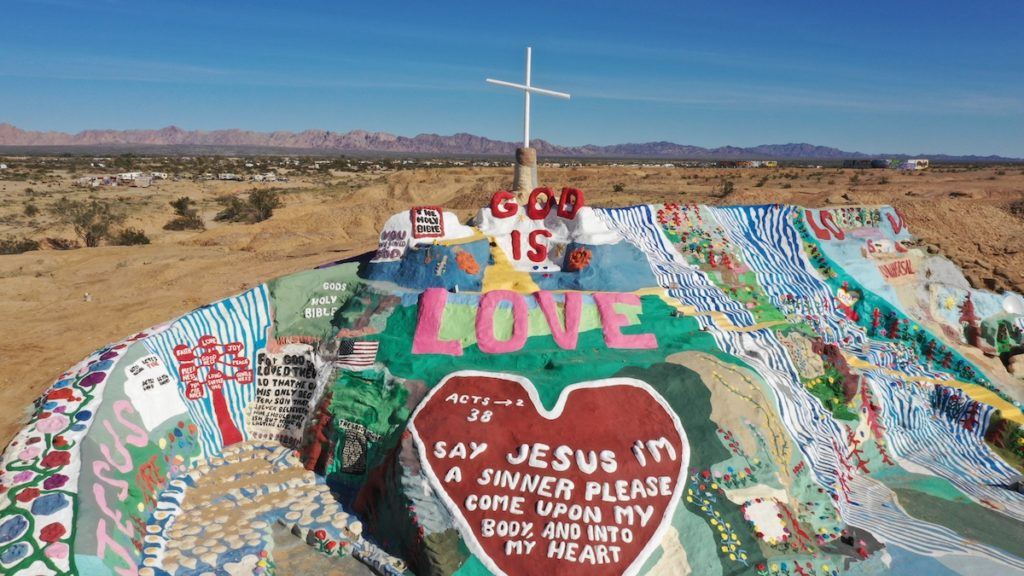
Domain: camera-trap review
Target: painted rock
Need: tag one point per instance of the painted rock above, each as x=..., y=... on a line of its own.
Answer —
x=552, y=388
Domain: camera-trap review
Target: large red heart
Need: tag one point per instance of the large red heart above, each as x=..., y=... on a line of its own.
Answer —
x=592, y=491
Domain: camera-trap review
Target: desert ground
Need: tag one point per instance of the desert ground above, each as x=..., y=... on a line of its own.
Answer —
x=58, y=305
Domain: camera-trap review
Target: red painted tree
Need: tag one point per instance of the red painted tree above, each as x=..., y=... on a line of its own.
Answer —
x=200, y=368
x=969, y=321
x=970, y=421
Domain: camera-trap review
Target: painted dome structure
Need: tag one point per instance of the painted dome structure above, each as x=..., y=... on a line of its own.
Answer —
x=551, y=388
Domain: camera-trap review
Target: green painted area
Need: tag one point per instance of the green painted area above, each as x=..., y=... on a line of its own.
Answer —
x=305, y=303
x=896, y=477
x=966, y=518
x=473, y=567
x=690, y=399
x=828, y=388
x=549, y=367
x=700, y=542
x=552, y=369
x=372, y=405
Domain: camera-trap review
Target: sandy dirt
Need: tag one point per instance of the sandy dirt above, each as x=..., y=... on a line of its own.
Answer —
x=48, y=325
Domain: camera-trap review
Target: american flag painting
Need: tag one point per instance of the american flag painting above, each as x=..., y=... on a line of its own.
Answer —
x=356, y=354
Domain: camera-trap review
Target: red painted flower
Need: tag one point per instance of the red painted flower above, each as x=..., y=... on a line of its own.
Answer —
x=55, y=459
x=330, y=545
x=61, y=394
x=320, y=534
x=52, y=532
x=60, y=441
x=27, y=495
x=579, y=259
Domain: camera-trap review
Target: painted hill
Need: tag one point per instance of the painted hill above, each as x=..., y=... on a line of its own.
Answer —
x=456, y=144
x=550, y=389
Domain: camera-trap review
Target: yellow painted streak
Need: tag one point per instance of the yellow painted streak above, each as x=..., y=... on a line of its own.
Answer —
x=979, y=393
x=476, y=235
x=501, y=275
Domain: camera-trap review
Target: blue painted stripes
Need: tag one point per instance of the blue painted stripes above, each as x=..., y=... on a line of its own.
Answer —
x=244, y=318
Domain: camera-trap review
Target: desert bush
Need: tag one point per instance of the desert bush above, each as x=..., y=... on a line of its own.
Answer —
x=787, y=185
x=91, y=220
x=723, y=188
x=620, y=187
x=185, y=223
x=1017, y=208
x=62, y=243
x=263, y=203
x=257, y=207
x=855, y=179
x=31, y=210
x=186, y=216
x=12, y=245
x=234, y=209
x=129, y=237
x=761, y=182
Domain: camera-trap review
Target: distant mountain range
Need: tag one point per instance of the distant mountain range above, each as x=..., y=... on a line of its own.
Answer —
x=361, y=141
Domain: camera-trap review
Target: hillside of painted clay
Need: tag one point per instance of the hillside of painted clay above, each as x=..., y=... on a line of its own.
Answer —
x=550, y=388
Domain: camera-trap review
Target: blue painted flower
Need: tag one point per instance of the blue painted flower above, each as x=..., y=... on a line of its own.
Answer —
x=15, y=553
x=49, y=503
x=12, y=528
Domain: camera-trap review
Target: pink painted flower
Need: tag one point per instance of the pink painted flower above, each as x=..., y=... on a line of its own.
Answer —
x=57, y=551
x=52, y=425
x=30, y=452
x=23, y=476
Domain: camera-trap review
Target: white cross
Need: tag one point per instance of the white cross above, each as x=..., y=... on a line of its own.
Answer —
x=527, y=89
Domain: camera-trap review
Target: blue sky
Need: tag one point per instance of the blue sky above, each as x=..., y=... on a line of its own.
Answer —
x=912, y=77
